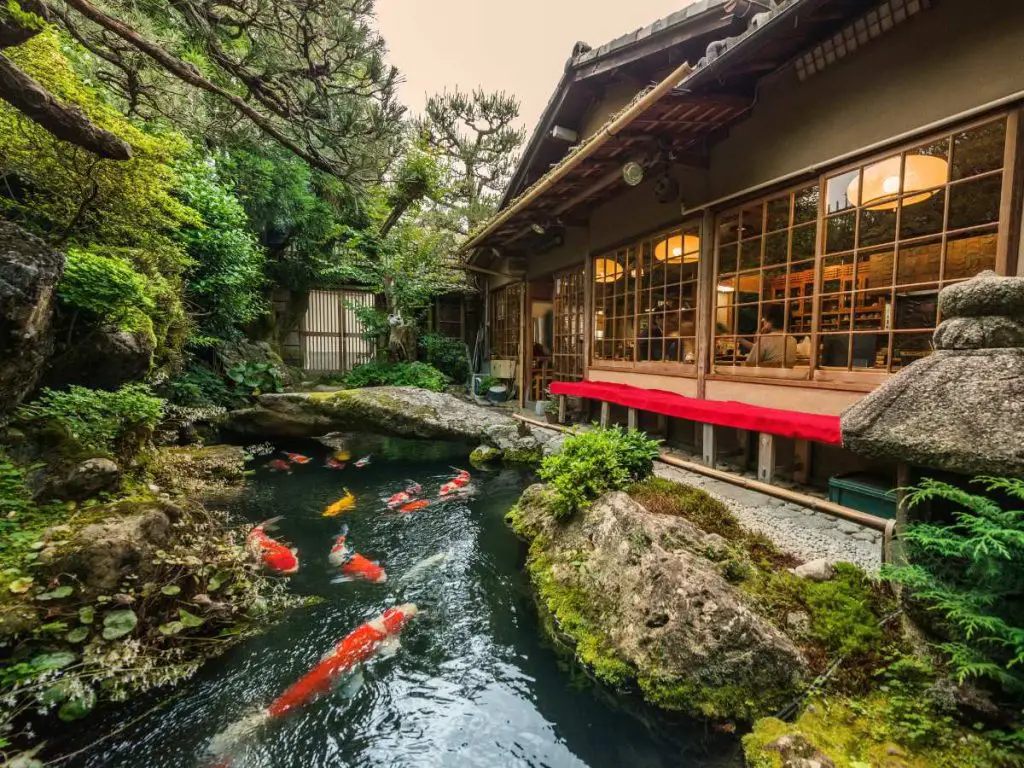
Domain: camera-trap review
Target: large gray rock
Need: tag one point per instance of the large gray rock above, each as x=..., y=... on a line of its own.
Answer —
x=103, y=358
x=29, y=273
x=397, y=411
x=85, y=479
x=960, y=409
x=632, y=588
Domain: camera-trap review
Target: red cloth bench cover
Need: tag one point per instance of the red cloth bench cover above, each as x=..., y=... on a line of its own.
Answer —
x=723, y=413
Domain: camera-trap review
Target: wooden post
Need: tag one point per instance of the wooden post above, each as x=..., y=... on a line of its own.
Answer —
x=903, y=480
x=561, y=409
x=802, y=461
x=663, y=426
x=605, y=413
x=631, y=418
x=708, y=444
x=707, y=297
x=766, y=458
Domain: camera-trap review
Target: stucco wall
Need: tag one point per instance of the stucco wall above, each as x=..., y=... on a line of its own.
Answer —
x=957, y=55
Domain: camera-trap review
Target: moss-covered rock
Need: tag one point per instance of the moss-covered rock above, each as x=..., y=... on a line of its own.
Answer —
x=634, y=612
x=483, y=455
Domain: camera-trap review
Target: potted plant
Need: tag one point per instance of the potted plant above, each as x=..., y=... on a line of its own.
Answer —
x=551, y=410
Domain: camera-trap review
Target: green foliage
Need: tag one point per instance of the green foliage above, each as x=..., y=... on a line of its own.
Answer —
x=256, y=377
x=379, y=374
x=446, y=354
x=842, y=611
x=968, y=573
x=664, y=497
x=108, y=422
x=595, y=462
x=225, y=277
x=15, y=496
x=199, y=386
x=107, y=287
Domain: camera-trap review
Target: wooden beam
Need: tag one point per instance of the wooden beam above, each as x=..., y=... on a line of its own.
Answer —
x=802, y=461
x=707, y=443
x=631, y=418
x=605, y=413
x=561, y=409
x=766, y=458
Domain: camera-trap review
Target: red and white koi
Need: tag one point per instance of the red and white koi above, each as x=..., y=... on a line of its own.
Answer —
x=363, y=462
x=352, y=564
x=279, y=465
x=399, y=498
x=297, y=458
x=359, y=646
x=414, y=490
x=334, y=463
x=274, y=555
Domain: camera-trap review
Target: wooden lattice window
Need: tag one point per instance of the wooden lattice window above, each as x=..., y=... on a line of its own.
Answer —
x=567, y=354
x=506, y=321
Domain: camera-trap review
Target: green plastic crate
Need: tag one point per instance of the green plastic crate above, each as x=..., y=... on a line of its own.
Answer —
x=863, y=493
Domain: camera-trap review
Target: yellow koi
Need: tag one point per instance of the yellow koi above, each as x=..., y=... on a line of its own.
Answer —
x=343, y=504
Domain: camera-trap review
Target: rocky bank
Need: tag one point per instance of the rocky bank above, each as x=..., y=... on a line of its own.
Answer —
x=639, y=603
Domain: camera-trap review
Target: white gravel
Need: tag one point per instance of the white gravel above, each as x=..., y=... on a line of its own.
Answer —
x=802, y=532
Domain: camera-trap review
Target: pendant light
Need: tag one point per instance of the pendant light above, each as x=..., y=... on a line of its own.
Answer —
x=881, y=182
x=678, y=249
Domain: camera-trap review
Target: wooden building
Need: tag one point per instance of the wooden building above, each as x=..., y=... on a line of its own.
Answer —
x=758, y=202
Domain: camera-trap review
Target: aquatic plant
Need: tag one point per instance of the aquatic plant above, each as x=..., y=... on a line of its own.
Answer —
x=968, y=574
x=594, y=462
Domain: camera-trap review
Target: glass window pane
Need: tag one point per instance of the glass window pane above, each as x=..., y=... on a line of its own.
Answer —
x=872, y=311
x=775, y=248
x=922, y=217
x=805, y=205
x=979, y=149
x=748, y=287
x=917, y=308
x=970, y=253
x=728, y=229
x=839, y=189
x=869, y=350
x=834, y=350
x=836, y=312
x=919, y=262
x=908, y=347
x=839, y=232
x=798, y=321
x=778, y=213
x=874, y=268
x=750, y=253
x=877, y=226
x=748, y=319
x=752, y=221
x=773, y=284
x=727, y=259
x=804, y=242
x=975, y=202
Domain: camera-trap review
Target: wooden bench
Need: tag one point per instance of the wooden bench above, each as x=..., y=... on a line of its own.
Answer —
x=768, y=423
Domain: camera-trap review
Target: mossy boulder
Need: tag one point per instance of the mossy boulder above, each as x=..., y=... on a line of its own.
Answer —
x=483, y=455
x=663, y=619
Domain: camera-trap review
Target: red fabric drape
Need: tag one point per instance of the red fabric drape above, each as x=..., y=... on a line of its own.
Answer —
x=723, y=413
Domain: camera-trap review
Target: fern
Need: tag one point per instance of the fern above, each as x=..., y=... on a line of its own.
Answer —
x=968, y=572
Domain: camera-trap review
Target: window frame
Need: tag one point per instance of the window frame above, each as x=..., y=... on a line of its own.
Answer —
x=502, y=336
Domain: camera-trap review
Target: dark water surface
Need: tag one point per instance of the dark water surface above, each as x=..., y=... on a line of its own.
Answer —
x=472, y=685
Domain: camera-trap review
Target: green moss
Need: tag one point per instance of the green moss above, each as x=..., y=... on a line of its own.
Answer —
x=861, y=732
x=664, y=497
x=713, y=702
x=532, y=457
x=484, y=454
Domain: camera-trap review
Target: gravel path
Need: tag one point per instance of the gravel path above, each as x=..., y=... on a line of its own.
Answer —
x=798, y=530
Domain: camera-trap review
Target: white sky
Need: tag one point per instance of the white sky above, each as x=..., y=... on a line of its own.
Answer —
x=520, y=47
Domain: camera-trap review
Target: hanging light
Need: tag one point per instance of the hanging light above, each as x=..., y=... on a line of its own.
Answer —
x=607, y=270
x=678, y=249
x=921, y=174
x=632, y=173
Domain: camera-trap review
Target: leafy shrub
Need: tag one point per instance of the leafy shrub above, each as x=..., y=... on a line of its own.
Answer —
x=595, y=462
x=199, y=386
x=446, y=354
x=969, y=573
x=256, y=377
x=108, y=422
x=377, y=374
x=107, y=287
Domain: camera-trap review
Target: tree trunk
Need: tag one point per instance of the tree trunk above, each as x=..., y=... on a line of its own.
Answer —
x=401, y=337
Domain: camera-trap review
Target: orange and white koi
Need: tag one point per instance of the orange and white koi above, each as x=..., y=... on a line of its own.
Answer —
x=363, y=462
x=448, y=487
x=462, y=479
x=399, y=498
x=274, y=555
x=414, y=505
x=279, y=465
x=297, y=458
x=357, y=647
x=333, y=463
x=352, y=564
x=343, y=504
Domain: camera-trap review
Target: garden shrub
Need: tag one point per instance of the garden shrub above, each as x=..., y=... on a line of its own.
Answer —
x=256, y=377
x=595, y=462
x=378, y=374
x=200, y=386
x=114, y=423
x=446, y=354
x=968, y=573
x=108, y=288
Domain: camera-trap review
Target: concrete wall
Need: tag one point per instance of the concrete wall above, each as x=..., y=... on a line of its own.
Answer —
x=957, y=55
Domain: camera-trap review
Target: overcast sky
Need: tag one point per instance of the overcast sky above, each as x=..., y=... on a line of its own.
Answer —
x=519, y=47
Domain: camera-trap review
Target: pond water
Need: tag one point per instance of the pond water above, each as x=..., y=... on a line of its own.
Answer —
x=473, y=683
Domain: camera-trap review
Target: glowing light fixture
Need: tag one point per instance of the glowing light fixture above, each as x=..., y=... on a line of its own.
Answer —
x=632, y=173
x=607, y=270
x=678, y=249
x=726, y=289
x=881, y=184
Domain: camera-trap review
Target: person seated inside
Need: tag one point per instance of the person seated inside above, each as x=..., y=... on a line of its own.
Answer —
x=772, y=348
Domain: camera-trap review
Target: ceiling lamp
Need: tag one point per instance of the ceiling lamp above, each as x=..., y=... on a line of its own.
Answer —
x=678, y=249
x=921, y=174
x=607, y=270
x=632, y=173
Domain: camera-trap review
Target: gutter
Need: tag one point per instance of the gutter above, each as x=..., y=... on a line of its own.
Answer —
x=608, y=131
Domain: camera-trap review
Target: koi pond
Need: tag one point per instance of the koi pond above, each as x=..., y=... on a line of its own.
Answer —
x=473, y=682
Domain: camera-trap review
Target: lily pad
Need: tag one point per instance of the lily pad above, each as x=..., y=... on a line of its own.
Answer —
x=171, y=590
x=77, y=635
x=171, y=628
x=86, y=614
x=21, y=586
x=78, y=707
x=49, y=661
x=190, y=619
x=119, y=623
